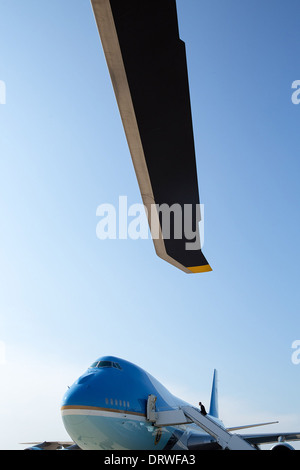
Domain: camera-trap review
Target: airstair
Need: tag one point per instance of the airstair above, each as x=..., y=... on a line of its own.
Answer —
x=187, y=415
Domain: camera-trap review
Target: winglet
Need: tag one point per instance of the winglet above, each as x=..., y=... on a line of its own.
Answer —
x=214, y=405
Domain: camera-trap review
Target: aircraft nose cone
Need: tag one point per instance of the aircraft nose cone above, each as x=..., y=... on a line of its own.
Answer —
x=77, y=400
x=80, y=407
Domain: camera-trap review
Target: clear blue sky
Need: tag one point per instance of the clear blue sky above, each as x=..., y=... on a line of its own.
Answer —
x=67, y=298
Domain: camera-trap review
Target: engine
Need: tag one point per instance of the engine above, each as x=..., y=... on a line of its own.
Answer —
x=282, y=446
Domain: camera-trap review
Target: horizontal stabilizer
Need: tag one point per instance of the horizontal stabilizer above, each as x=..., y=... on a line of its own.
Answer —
x=246, y=426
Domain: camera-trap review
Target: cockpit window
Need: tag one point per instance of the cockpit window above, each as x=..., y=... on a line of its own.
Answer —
x=117, y=365
x=102, y=364
x=105, y=364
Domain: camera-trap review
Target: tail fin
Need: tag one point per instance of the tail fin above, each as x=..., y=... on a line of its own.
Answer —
x=214, y=405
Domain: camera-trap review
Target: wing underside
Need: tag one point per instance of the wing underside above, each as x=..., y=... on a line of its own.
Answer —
x=147, y=63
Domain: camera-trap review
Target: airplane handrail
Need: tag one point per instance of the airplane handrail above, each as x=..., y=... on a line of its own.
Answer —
x=187, y=415
x=224, y=438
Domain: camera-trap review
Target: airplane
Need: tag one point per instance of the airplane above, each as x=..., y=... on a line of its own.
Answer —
x=116, y=405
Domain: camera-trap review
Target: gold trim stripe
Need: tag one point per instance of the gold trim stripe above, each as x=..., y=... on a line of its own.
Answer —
x=97, y=408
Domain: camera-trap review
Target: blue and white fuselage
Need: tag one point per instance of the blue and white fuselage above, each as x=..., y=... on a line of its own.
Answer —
x=106, y=409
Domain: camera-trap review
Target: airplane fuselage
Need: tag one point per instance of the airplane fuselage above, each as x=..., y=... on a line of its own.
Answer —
x=106, y=409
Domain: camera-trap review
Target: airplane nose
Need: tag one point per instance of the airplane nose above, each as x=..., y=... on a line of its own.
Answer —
x=77, y=393
x=81, y=405
x=87, y=404
x=76, y=400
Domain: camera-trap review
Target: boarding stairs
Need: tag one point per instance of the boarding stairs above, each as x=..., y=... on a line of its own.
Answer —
x=187, y=415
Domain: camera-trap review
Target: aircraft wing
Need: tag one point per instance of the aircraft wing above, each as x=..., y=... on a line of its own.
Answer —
x=196, y=441
x=147, y=63
x=53, y=445
x=271, y=438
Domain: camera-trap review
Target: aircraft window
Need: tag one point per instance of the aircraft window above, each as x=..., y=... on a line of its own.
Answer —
x=102, y=364
x=117, y=366
x=94, y=364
